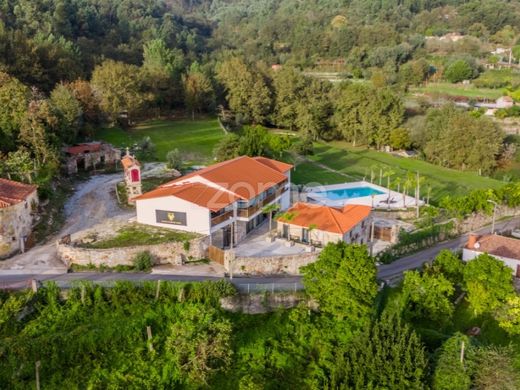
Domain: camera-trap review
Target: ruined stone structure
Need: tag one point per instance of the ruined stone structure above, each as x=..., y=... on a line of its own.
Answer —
x=132, y=172
x=18, y=205
x=90, y=155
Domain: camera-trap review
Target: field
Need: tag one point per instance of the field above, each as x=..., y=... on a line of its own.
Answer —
x=356, y=164
x=196, y=139
x=469, y=91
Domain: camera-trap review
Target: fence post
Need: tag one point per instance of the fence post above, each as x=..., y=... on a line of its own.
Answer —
x=37, y=365
x=272, y=288
x=149, y=333
x=295, y=286
x=248, y=285
x=158, y=289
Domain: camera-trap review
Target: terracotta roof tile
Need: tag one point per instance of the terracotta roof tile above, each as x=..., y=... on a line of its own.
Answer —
x=494, y=244
x=244, y=176
x=275, y=164
x=328, y=219
x=13, y=192
x=84, y=148
x=197, y=193
x=128, y=161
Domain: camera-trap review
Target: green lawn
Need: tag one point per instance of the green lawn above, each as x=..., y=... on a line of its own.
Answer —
x=357, y=163
x=469, y=91
x=194, y=138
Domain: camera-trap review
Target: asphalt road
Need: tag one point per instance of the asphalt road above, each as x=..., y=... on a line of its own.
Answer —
x=385, y=272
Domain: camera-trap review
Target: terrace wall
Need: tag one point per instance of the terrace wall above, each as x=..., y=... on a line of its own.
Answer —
x=167, y=253
x=269, y=265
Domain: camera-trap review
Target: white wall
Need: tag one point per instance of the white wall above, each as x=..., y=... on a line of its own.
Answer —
x=468, y=254
x=197, y=217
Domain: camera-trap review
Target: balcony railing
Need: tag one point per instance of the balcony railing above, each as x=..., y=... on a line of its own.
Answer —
x=247, y=212
x=221, y=218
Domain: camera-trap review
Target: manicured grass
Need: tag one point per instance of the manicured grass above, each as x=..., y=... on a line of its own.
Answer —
x=358, y=162
x=469, y=91
x=196, y=139
x=140, y=235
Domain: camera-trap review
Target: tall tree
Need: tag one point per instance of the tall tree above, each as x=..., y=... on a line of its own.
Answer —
x=14, y=99
x=247, y=92
x=488, y=282
x=198, y=91
x=69, y=112
x=343, y=281
x=120, y=88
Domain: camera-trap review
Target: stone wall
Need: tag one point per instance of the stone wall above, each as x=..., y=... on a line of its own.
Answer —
x=16, y=223
x=264, y=303
x=269, y=265
x=167, y=253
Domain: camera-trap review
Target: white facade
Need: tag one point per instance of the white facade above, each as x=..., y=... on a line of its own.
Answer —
x=514, y=264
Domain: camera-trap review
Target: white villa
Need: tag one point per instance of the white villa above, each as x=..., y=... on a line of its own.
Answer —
x=224, y=201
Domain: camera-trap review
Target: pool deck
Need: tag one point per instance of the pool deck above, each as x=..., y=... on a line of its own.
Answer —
x=397, y=200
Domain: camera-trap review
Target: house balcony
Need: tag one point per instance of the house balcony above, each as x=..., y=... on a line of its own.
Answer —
x=251, y=210
x=221, y=218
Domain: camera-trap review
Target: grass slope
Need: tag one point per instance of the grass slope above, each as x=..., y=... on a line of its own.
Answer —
x=194, y=138
x=357, y=162
x=469, y=91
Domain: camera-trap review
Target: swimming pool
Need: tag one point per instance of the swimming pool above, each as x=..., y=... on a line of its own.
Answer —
x=348, y=193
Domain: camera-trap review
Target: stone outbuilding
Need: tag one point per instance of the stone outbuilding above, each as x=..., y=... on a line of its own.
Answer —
x=319, y=225
x=132, y=172
x=90, y=155
x=18, y=205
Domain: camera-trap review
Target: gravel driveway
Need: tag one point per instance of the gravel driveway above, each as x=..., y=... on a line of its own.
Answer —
x=93, y=202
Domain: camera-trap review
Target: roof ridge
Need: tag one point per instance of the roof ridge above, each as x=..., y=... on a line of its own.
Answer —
x=338, y=225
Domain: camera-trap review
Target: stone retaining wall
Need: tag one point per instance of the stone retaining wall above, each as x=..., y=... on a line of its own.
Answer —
x=167, y=253
x=270, y=265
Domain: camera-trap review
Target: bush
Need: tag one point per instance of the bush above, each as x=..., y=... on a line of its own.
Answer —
x=304, y=147
x=143, y=261
x=174, y=159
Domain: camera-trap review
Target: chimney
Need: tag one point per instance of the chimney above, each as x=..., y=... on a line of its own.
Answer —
x=472, y=240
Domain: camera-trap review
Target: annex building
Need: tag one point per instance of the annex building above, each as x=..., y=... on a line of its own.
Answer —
x=18, y=205
x=506, y=249
x=319, y=225
x=225, y=200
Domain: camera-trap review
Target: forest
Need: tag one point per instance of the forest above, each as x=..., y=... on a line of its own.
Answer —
x=71, y=66
x=345, y=333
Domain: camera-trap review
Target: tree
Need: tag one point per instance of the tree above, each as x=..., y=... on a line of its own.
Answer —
x=508, y=316
x=488, y=282
x=14, y=99
x=429, y=294
x=400, y=138
x=388, y=355
x=450, y=373
x=449, y=265
x=89, y=100
x=458, y=71
x=254, y=142
x=247, y=92
x=343, y=281
x=313, y=110
x=174, y=159
x=37, y=130
x=289, y=88
x=68, y=110
x=120, y=88
x=227, y=148
x=198, y=91
x=19, y=165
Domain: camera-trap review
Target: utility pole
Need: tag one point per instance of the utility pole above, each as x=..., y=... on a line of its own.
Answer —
x=372, y=238
x=495, y=204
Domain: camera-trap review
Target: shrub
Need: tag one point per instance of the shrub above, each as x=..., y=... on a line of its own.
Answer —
x=143, y=261
x=174, y=159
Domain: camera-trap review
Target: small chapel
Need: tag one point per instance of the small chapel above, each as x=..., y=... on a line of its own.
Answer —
x=132, y=172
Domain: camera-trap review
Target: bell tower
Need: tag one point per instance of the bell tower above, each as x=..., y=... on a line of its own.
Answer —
x=132, y=172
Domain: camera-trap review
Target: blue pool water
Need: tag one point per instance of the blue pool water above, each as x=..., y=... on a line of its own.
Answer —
x=349, y=193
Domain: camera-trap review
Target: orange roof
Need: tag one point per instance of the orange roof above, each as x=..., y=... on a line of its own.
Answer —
x=128, y=161
x=328, y=219
x=197, y=193
x=494, y=244
x=84, y=148
x=13, y=192
x=244, y=176
x=275, y=164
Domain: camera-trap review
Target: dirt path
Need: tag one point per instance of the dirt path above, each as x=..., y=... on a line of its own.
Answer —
x=93, y=202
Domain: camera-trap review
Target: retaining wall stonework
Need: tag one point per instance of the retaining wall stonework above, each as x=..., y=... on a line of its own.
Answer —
x=167, y=253
x=270, y=265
